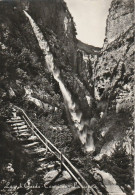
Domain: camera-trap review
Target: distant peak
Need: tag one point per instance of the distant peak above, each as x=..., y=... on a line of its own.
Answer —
x=89, y=49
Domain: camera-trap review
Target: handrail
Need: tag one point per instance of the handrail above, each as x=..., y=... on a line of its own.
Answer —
x=87, y=186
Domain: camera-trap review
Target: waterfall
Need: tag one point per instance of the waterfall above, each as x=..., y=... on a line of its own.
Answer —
x=76, y=117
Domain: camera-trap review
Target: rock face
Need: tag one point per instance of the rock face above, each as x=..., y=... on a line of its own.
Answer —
x=113, y=90
x=22, y=62
x=119, y=20
x=114, y=68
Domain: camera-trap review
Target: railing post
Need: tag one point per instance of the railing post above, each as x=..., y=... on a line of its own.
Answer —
x=61, y=161
x=83, y=191
x=88, y=190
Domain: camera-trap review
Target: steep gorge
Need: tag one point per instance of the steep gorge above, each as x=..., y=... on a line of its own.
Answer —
x=67, y=86
x=113, y=76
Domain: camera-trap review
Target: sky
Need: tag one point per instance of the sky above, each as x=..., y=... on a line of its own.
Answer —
x=90, y=19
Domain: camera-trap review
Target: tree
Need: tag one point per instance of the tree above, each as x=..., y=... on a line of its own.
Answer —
x=120, y=165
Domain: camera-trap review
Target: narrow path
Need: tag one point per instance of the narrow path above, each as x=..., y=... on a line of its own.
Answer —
x=55, y=172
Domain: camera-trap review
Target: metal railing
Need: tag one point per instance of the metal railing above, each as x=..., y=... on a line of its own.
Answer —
x=86, y=188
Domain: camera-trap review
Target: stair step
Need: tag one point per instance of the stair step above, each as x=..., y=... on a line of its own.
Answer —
x=43, y=166
x=41, y=159
x=18, y=124
x=20, y=127
x=51, y=166
x=15, y=128
x=16, y=118
x=14, y=121
x=47, y=166
x=39, y=169
x=32, y=144
x=44, y=159
x=20, y=131
x=24, y=134
x=23, y=130
x=39, y=150
x=32, y=138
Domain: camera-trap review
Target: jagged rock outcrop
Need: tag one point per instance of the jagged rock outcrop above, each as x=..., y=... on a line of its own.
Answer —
x=114, y=68
x=120, y=19
x=113, y=91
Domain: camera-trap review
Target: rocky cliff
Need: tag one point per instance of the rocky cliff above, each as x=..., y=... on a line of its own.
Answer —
x=114, y=69
x=22, y=60
x=113, y=88
x=24, y=75
x=120, y=19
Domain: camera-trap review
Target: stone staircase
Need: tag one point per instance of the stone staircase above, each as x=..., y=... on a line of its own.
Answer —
x=57, y=178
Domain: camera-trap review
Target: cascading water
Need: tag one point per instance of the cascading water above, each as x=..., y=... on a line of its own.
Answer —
x=76, y=117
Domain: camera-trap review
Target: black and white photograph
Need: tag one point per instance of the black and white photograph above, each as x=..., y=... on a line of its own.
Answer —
x=67, y=97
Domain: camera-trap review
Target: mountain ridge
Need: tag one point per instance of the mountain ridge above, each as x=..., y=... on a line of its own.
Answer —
x=89, y=49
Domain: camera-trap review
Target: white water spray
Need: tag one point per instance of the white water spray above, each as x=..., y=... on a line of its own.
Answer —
x=76, y=117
